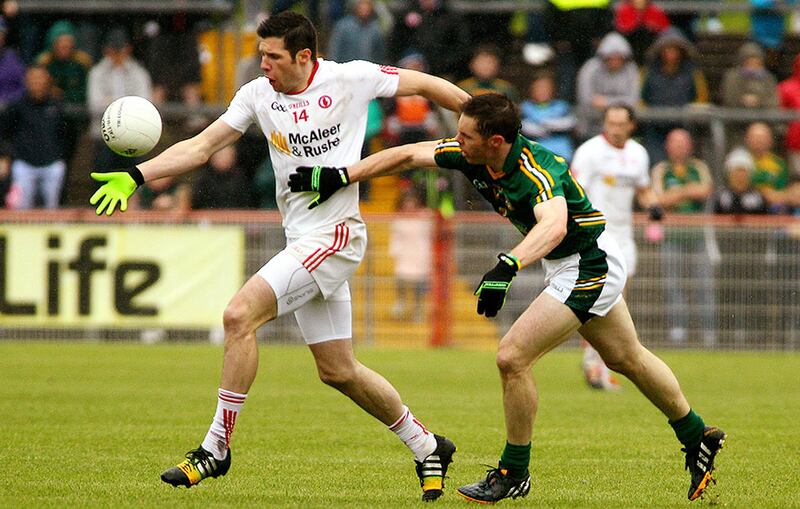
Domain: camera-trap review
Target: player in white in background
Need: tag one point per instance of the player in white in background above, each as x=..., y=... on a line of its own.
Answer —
x=312, y=112
x=613, y=169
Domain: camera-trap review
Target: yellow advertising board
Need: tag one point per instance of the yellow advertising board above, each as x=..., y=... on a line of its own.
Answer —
x=118, y=275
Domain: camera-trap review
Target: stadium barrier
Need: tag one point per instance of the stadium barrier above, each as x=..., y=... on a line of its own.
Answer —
x=711, y=282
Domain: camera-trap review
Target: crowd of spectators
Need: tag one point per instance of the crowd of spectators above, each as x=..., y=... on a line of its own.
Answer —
x=597, y=53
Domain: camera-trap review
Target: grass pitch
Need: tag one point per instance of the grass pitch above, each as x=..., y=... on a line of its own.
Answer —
x=93, y=425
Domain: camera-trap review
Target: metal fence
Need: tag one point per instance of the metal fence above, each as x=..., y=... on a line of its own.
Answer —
x=713, y=282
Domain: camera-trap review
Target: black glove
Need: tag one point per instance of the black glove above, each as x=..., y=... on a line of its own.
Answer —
x=495, y=284
x=322, y=180
x=656, y=213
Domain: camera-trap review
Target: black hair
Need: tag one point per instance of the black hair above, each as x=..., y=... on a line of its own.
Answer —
x=494, y=114
x=621, y=106
x=297, y=32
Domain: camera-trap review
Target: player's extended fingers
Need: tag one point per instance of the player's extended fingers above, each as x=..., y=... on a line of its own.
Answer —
x=481, y=306
x=103, y=204
x=123, y=204
x=101, y=177
x=112, y=205
x=96, y=196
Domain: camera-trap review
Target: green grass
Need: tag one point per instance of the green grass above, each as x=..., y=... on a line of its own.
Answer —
x=93, y=425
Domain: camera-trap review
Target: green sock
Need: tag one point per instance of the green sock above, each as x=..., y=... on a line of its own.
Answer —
x=689, y=429
x=516, y=459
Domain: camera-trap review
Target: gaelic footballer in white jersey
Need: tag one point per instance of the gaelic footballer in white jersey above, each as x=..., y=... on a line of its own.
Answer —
x=611, y=175
x=324, y=124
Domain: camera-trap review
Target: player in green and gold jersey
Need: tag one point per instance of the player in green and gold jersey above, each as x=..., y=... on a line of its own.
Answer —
x=584, y=273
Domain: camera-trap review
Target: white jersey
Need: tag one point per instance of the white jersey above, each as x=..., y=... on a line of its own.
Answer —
x=610, y=176
x=324, y=125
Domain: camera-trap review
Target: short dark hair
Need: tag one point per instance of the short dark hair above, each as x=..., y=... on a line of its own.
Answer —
x=297, y=32
x=494, y=114
x=621, y=106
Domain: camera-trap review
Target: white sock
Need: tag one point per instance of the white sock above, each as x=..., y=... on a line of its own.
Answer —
x=421, y=441
x=218, y=438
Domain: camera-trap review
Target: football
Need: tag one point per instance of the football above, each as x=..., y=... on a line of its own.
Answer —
x=131, y=126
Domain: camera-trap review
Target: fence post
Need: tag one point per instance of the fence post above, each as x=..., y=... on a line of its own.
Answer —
x=441, y=281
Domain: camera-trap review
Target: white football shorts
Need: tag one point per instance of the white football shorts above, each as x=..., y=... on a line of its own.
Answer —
x=591, y=281
x=627, y=247
x=309, y=277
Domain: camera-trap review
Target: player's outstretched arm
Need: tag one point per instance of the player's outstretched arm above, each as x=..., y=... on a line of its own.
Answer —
x=433, y=88
x=325, y=180
x=186, y=155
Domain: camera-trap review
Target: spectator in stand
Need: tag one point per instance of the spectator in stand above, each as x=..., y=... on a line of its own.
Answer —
x=671, y=79
x=749, y=84
x=410, y=246
x=358, y=36
x=768, y=27
x=739, y=196
x=172, y=60
x=118, y=74
x=771, y=175
x=546, y=119
x=68, y=65
x=440, y=34
x=641, y=22
x=485, y=68
x=69, y=68
x=789, y=96
x=12, y=70
x=412, y=119
x=222, y=183
x=35, y=125
x=610, y=77
x=682, y=184
x=574, y=29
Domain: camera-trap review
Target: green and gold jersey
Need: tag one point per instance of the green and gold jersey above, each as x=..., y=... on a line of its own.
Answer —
x=531, y=175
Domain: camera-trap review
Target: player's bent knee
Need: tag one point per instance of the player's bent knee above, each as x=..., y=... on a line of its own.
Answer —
x=235, y=319
x=509, y=360
x=336, y=377
x=625, y=364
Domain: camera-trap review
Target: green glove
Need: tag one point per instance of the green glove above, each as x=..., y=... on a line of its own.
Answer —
x=118, y=187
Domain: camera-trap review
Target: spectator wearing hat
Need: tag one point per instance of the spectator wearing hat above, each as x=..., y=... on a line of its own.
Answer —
x=68, y=65
x=671, y=79
x=749, y=84
x=116, y=75
x=609, y=77
x=738, y=196
x=12, y=70
x=69, y=68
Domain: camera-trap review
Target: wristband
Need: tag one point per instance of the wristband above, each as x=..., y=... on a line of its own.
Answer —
x=136, y=175
x=656, y=213
x=510, y=260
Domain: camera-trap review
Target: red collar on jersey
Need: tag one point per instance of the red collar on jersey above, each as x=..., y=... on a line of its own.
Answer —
x=310, y=79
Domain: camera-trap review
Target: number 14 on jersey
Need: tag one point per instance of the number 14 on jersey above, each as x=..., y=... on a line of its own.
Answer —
x=303, y=115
